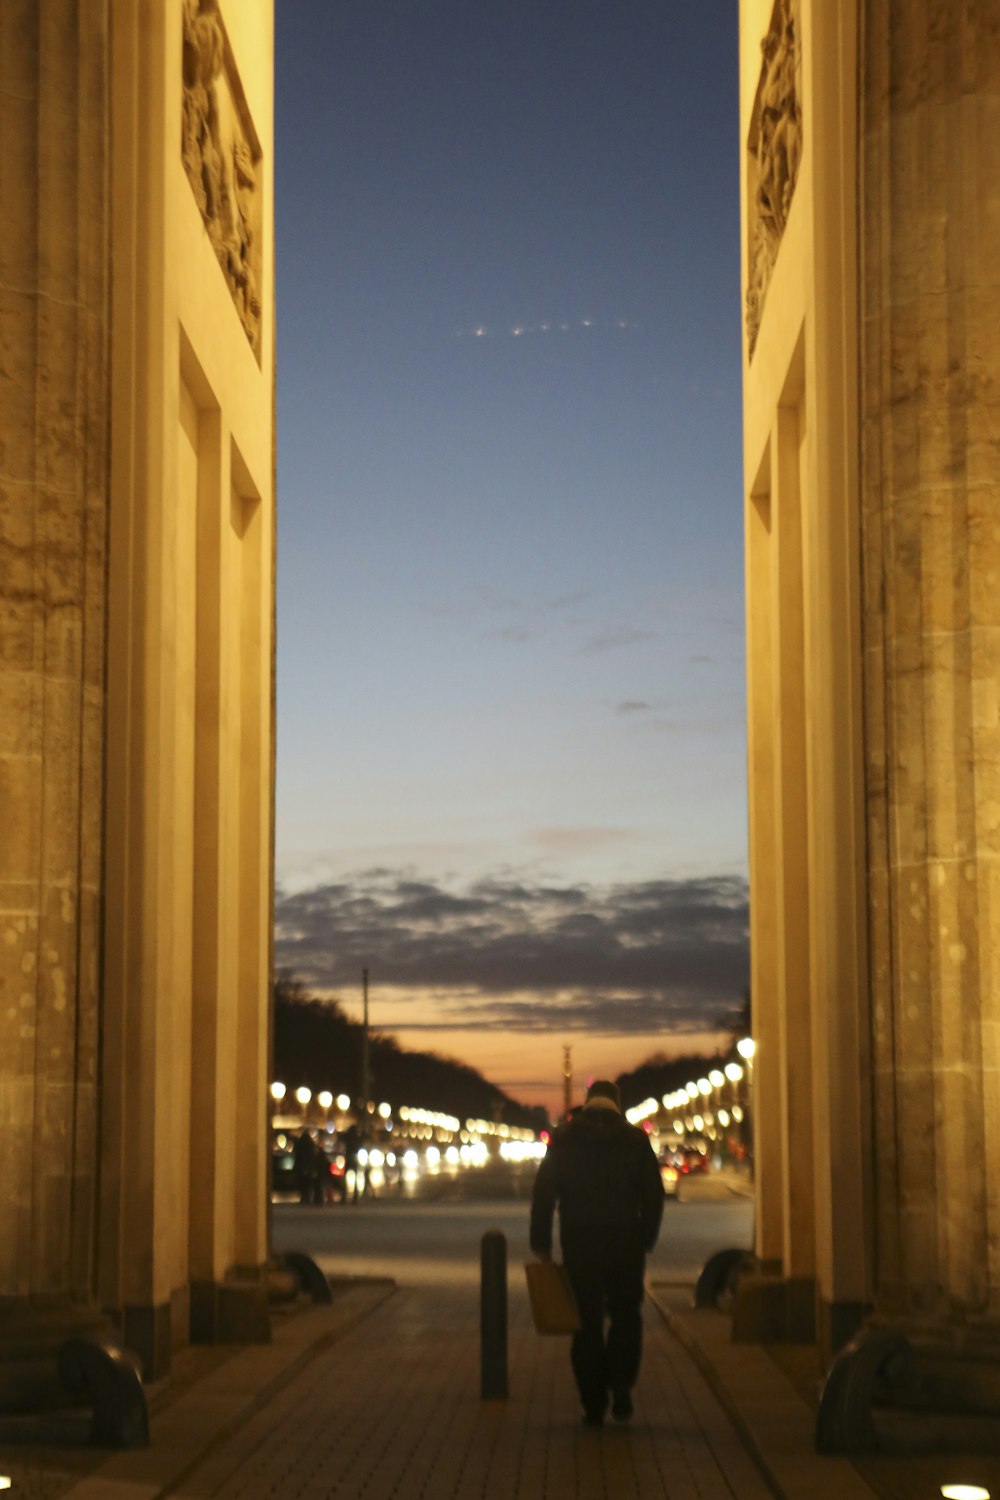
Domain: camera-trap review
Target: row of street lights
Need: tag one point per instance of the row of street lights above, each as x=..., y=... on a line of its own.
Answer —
x=303, y=1096
x=702, y=1107
x=405, y=1120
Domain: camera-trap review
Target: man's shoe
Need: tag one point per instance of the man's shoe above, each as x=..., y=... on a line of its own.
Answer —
x=621, y=1406
x=593, y=1416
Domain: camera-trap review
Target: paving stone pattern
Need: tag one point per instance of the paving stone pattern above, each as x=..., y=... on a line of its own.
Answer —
x=392, y=1412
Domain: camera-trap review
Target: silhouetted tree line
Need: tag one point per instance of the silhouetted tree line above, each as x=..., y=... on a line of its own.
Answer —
x=660, y=1075
x=316, y=1044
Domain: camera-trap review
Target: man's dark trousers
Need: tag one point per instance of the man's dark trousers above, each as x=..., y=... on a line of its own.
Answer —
x=606, y=1271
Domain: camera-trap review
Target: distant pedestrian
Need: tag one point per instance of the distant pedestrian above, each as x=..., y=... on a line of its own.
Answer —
x=308, y=1160
x=603, y=1175
x=350, y=1142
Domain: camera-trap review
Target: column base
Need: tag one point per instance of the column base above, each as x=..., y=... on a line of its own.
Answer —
x=31, y=1335
x=775, y=1310
x=231, y=1311
x=148, y=1332
x=956, y=1367
x=837, y=1323
x=884, y=1393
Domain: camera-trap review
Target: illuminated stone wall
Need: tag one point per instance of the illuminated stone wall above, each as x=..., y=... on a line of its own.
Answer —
x=136, y=457
x=805, y=723
x=930, y=393
x=54, y=341
x=871, y=382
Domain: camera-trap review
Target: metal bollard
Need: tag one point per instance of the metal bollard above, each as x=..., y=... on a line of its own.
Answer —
x=493, y=1315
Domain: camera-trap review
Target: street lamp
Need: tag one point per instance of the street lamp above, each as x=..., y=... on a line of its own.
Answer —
x=746, y=1047
x=278, y=1092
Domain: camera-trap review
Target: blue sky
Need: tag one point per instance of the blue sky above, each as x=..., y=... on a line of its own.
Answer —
x=510, y=555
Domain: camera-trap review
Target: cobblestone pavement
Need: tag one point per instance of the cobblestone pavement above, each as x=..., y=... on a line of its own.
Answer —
x=392, y=1412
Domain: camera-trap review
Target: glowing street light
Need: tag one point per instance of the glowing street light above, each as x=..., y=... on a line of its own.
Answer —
x=343, y=1102
x=746, y=1047
x=716, y=1079
x=303, y=1095
x=278, y=1092
x=325, y=1099
x=734, y=1072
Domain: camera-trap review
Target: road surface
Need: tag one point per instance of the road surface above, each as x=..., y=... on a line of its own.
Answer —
x=431, y=1240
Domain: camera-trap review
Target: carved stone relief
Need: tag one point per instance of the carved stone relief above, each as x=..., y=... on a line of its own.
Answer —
x=775, y=146
x=221, y=156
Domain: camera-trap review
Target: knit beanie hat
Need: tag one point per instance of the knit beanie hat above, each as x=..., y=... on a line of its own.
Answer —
x=604, y=1090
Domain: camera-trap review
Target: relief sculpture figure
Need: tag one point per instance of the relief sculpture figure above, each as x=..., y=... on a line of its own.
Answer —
x=777, y=150
x=202, y=63
x=222, y=175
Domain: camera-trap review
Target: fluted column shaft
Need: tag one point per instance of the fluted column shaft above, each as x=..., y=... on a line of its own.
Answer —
x=53, y=508
x=930, y=278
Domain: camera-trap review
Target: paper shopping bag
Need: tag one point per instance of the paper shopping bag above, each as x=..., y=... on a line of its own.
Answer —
x=553, y=1305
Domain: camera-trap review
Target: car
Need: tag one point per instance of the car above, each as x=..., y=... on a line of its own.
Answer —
x=334, y=1180
x=670, y=1172
x=326, y=1185
x=284, y=1179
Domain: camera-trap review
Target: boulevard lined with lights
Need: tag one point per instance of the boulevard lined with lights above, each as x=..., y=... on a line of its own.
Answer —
x=701, y=1108
x=466, y=1143
x=434, y=1139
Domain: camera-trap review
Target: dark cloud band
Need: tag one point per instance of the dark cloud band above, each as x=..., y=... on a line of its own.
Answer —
x=616, y=960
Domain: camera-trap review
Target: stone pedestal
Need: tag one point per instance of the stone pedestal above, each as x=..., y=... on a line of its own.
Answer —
x=31, y=1336
x=930, y=394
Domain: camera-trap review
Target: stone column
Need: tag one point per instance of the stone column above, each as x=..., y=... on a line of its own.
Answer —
x=53, y=507
x=792, y=874
x=785, y=1240
x=930, y=390
x=766, y=1100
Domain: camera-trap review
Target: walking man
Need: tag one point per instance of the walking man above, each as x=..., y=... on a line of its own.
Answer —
x=603, y=1174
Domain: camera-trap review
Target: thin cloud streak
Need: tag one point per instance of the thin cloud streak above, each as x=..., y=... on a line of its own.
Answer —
x=616, y=639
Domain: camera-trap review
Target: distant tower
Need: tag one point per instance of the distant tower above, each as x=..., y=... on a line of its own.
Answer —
x=567, y=1080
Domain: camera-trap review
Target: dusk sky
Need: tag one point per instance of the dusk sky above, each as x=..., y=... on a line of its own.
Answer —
x=511, y=747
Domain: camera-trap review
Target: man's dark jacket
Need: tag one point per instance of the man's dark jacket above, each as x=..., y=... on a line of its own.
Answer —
x=604, y=1175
